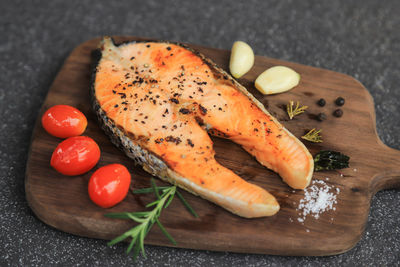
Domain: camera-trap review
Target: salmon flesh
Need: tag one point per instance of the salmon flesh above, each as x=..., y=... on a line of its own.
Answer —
x=158, y=101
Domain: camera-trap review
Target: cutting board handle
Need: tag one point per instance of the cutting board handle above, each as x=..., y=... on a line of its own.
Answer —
x=388, y=176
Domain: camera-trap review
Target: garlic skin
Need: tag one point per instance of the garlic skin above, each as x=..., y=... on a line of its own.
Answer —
x=242, y=59
x=276, y=80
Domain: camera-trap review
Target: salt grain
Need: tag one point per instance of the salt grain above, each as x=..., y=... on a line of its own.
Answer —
x=318, y=198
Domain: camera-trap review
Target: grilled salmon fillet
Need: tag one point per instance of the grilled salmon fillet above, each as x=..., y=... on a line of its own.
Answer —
x=157, y=100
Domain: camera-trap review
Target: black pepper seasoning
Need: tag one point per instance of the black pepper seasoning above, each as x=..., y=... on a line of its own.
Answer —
x=338, y=113
x=321, y=102
x=339, y=101
x=189, y=142
x=321, y=117
x=184, y=111
x=174, y=100
x=203, y=110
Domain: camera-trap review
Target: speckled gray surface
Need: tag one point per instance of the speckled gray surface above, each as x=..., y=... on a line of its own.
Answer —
x=359, y=38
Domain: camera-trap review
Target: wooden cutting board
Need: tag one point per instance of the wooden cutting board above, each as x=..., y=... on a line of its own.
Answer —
x=63, y=202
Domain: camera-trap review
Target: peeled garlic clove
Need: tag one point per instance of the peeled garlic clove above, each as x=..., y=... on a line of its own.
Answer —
x=242, y=59
x=277, y=79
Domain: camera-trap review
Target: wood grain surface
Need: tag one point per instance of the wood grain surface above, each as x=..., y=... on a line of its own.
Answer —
x=63, y=202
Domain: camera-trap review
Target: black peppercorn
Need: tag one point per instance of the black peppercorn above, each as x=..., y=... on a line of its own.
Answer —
x=338, y=113
x=321, y=102
x=321, y=117
x=339, y=101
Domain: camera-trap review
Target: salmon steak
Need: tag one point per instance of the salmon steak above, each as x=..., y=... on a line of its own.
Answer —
x=159, y=101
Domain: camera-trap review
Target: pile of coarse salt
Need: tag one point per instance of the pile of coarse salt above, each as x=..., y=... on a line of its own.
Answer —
x=318, y=198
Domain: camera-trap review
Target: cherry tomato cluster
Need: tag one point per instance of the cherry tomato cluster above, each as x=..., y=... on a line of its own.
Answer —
x=78, y=154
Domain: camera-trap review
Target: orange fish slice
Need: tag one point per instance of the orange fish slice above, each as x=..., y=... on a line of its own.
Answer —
x=157, y=100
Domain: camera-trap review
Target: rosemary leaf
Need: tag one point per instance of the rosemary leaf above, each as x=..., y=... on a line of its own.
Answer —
x=140, y=214
x=133, y=241
x=165, y=232
x=141, y=241
x=169, y=201
x=152, y=204
x=186, y=204
x=149, y=228
x=135, y=218
x=123, y=236
x=155, y=189
x=148, y=190
x=136, y=250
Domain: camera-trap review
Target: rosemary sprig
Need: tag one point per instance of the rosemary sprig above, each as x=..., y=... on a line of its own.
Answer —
x=313, y=136
x=146, y=219
x=294, y=111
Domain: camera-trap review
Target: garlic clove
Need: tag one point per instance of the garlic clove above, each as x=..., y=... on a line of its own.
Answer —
x=276, y=80
x=242, y=59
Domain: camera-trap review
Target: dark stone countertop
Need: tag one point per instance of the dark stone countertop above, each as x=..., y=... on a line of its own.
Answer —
x=359, y=38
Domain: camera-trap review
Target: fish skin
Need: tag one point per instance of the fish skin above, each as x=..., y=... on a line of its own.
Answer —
x=153, y=164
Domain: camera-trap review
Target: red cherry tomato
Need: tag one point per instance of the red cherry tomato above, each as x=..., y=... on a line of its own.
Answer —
x=64, y=121
x=75, y=155
x=109, y=185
